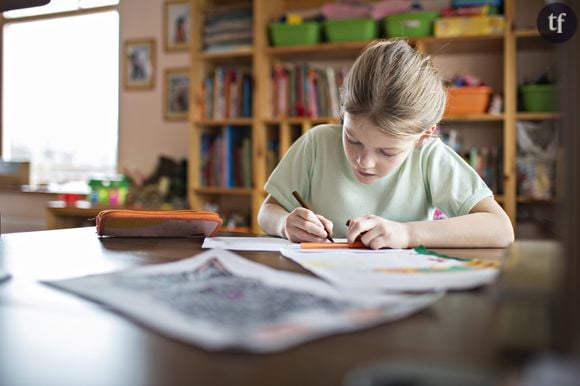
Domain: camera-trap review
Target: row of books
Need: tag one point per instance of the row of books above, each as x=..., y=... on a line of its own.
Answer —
x=227, y=93
x=226, y=162
x=272, y=155
x=226, y=158
x=486, y=161
x=228, y=28
x=305, y=90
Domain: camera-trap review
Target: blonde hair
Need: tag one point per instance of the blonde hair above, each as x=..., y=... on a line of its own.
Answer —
x=396, y=87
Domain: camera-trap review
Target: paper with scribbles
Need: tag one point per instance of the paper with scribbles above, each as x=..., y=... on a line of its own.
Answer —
x=219, y=300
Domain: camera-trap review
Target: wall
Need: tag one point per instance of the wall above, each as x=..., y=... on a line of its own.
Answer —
x=144, y=135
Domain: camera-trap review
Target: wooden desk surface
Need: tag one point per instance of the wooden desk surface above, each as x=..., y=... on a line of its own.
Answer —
x=49, y=337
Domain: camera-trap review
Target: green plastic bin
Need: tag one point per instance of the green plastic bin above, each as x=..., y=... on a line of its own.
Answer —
x=351, y=30
x=539, y=97
x=415, y=23
x=295, y=34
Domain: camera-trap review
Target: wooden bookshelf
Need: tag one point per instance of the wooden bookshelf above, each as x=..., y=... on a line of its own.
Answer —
x=300, y=120
x=532, y=200
x=227, y=191
x=474, y=118
x=455, y=39
x=261, y=58
x=527, y=33
x=224, y=122
x=530, y=116
x=245, y=52
x=349, y=49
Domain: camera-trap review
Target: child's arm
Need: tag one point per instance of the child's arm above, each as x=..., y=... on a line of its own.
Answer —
x=486, y=225
x=299, y=225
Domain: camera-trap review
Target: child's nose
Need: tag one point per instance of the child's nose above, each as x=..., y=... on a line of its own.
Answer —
x=365, y=160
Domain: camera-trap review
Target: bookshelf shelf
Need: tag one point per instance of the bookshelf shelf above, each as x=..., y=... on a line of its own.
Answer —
x=349, y=49
x=538, y=116
x=531, y=200
x=460, y=44
x=527, y=200
x=245, y=52
x=454, y=39
x=220, y=190
x=224, y=122
x=300, y=120
x=527, y=33
x=474, y=117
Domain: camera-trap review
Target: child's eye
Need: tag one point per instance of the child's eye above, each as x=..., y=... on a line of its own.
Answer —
x=385, y=154
x=350, y=140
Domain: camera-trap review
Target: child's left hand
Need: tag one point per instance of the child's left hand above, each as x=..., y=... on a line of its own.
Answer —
x=377, y=232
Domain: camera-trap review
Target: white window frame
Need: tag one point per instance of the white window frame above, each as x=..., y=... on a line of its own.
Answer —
x=47, y=16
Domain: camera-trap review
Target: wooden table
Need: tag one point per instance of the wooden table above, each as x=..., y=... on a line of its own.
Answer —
x=49, y=337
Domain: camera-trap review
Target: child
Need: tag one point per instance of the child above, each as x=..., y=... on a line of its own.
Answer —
x=382, y=168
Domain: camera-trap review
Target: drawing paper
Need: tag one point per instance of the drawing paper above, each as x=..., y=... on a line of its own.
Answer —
x=219, y=300
x=246, y=243
x=392, y=269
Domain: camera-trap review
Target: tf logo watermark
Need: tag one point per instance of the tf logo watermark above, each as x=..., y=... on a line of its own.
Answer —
x=557, y=22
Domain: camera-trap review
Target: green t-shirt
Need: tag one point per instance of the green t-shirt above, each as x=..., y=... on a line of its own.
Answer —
x=433, y=175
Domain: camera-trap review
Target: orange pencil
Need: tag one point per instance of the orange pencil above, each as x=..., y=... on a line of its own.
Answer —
x=305, y=206
x=355, y=245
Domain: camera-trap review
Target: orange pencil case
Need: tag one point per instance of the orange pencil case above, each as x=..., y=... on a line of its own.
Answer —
x=157, y=223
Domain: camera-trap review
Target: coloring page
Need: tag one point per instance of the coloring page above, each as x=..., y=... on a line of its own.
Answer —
x=219, y=300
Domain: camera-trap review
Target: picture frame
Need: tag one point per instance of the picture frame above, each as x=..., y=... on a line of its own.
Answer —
x=177, y=25
x=139, y=68
x=176, y=95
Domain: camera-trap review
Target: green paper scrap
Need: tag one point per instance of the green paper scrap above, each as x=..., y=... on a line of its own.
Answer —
x=424, y=251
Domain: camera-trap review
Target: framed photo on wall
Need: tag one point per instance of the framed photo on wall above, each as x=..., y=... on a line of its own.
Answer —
x=139, y=68
x=177, y=25
x=176, y=94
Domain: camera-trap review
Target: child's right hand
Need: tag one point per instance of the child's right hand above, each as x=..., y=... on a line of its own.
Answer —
x=303, y=225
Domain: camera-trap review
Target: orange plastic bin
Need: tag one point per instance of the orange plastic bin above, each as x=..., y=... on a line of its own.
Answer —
x=467, y=100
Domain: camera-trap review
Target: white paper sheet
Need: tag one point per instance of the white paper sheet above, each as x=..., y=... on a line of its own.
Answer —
x=389, y=269
x=4, y=275
x=219, y=300
x=246, y=243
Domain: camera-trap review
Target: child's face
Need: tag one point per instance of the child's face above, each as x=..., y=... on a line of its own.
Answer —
x=371, y=153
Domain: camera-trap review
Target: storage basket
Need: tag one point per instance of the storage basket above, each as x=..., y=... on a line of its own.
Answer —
x=469, y=26
x=416, y=23
x=467, y=100
x=539, y=97
x=475, y=3
x=295, y=34
x=350, y=30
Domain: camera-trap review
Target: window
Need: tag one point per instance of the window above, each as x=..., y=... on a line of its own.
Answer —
x=60, y=90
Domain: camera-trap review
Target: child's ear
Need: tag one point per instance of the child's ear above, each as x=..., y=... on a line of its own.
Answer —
x=426, y=135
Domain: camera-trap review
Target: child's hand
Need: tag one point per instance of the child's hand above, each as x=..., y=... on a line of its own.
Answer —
x=377, y=232
x=303, y=225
